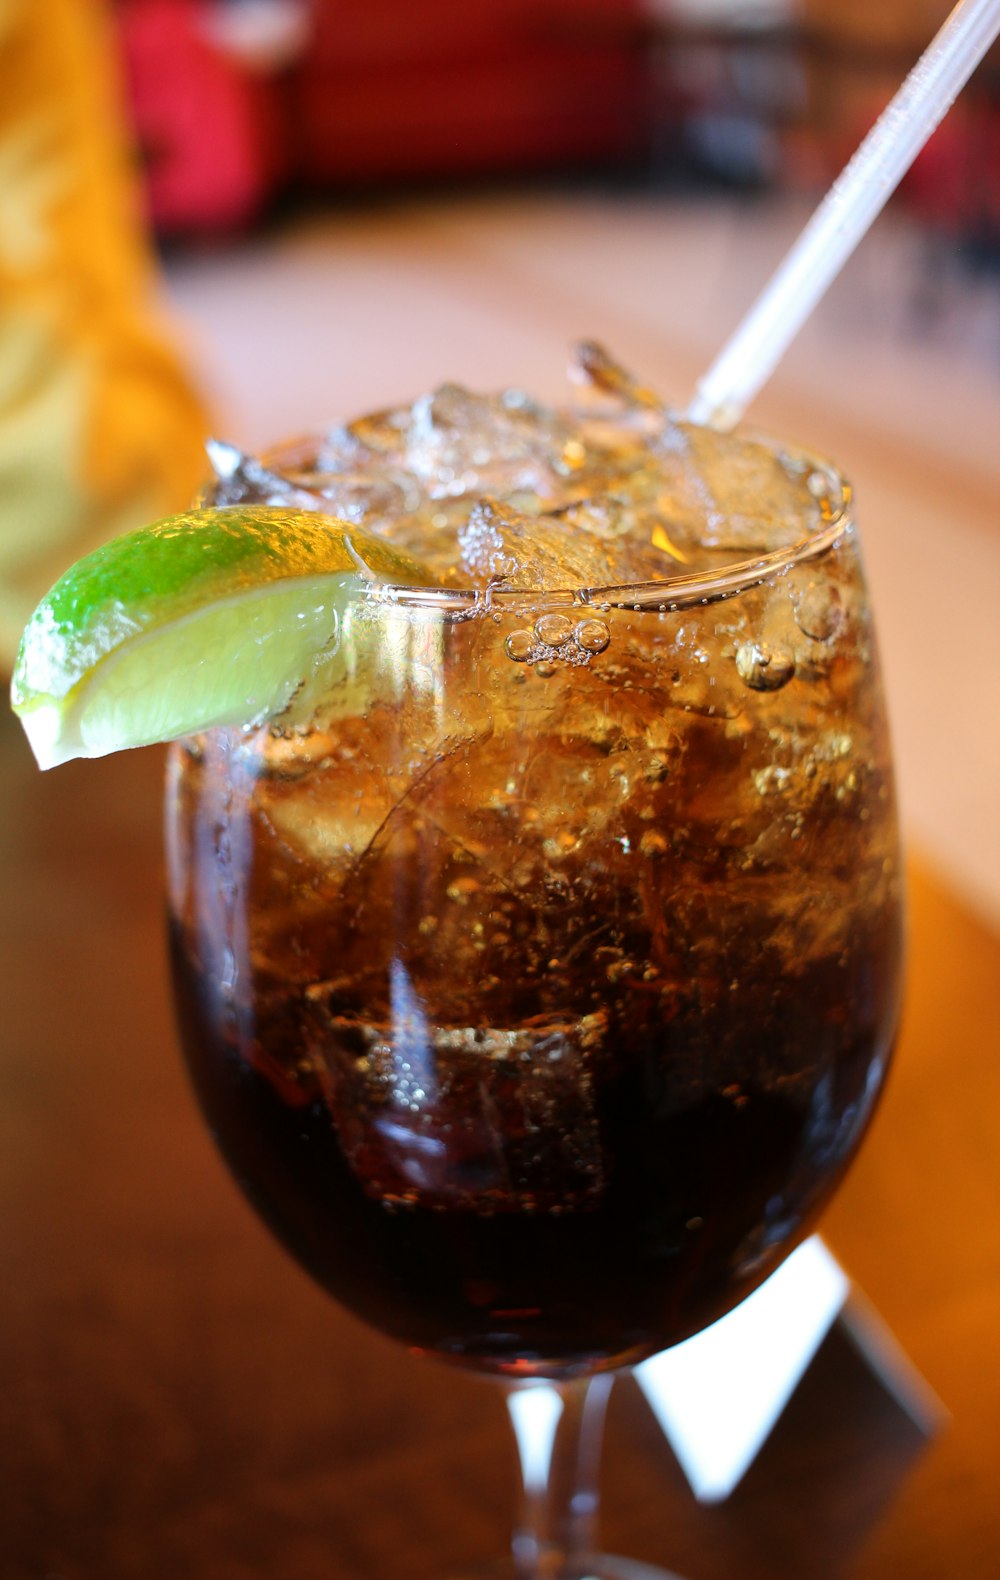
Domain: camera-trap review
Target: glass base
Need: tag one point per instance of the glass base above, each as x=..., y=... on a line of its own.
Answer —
x=599, y=1566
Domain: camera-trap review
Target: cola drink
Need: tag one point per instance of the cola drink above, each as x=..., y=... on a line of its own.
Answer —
x=538, y=974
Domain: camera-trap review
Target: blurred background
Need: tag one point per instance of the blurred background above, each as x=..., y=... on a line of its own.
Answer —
x=258, y=217
x=239, y=105
x=276, y=214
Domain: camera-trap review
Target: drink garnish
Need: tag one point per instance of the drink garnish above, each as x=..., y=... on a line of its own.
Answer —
x=213, y=617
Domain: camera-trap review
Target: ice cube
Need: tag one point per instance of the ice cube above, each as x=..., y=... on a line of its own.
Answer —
x=595, y=369
x=462, y=443
x=241, y=479
x=503, y=548
x=644, y=538
x=753, y=501
x=380, y=434
x=355, y=497
x=474, y=1116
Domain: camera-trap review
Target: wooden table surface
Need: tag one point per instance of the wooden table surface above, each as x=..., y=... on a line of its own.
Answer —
x=179, y=1400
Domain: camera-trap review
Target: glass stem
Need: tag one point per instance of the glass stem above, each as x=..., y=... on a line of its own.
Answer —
x=559, y=1429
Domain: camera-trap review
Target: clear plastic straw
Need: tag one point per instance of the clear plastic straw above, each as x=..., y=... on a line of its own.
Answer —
x=857, y=196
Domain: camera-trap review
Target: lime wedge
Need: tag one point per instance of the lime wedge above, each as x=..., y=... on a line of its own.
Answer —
x=210, y=618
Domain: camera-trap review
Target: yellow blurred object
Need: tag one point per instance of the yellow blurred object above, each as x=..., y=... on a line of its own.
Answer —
x=100, y=429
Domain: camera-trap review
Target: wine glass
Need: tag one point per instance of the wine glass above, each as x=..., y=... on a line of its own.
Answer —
x=539, y=974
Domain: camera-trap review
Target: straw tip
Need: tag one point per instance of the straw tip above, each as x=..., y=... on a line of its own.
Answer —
x=705, y=413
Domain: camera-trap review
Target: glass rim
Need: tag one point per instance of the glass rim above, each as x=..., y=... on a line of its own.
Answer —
x=670, y=593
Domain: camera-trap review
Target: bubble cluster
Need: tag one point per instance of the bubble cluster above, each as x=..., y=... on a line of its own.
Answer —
x=554, y=637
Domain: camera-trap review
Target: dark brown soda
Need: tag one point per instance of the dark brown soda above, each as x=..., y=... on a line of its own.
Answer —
x=697, y=1203
x=538, y=1006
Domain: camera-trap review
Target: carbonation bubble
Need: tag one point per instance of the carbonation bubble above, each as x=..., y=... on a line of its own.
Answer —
x=518, y=646
x=619, y=969
x=553, y=629
x=592, y=635
x=461, y=889
x=819, y=613
x=561, y=844
x=653, y=843
x=763, y=668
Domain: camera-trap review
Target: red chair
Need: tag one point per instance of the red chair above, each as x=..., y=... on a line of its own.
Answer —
x=210, y=129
